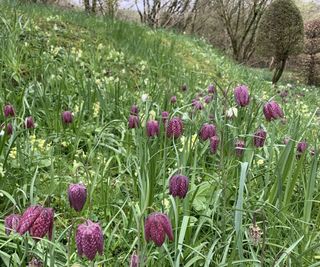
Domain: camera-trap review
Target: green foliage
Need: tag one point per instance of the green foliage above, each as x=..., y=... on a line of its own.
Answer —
x=280, y=33
x=53, y=60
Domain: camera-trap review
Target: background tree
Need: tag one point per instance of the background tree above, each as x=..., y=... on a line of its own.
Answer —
x=280, y=34
x=312, y=52
x=241, y=19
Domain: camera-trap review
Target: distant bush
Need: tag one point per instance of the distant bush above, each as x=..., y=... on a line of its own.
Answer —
x=280, y=34
x=311, y=59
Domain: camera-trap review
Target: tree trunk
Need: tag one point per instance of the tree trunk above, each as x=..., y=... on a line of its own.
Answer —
x=279, y=70
x=94, y=6
x=86, y=5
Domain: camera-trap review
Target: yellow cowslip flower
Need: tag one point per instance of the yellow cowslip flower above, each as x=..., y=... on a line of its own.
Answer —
x=166, y=203
x=260, y=162
x=33, y=139
x=96, y=109
x=100, y=46
x=13, y=153
x=152, y=115
x=41, y=144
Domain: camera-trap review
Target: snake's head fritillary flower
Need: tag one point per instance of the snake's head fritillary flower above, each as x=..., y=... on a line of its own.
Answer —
x=157, y=226
x=214, y=143
x=211, y=89
x=239, y=147
x=89, y=239
x=241, y=95
x=178, y=186
x=134, y=261
x=134, y=110
x=184, y=88
x=165, y=117
x=272, y=111
x=35, y=263
x=38, y=221
x=301, y=147
x=8, y=111
x=29, y=123
x=11, y=223
x=259, y=137
x=208, y=99
x=173, y=99
x=152, y=128
x=175, y=127
x=67, y=117
x=207, y=130
x=198, y=105
x=77, y=194
x=133, y=121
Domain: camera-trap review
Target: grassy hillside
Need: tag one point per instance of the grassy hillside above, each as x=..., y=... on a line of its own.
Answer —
x=53, y=60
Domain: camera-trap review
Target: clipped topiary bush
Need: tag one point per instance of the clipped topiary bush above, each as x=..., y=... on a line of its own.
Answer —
x=280, y=34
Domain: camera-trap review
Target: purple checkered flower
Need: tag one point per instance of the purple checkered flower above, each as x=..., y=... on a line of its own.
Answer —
x=77, y=194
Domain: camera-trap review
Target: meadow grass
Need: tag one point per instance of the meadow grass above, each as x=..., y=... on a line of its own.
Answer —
x=52, y=60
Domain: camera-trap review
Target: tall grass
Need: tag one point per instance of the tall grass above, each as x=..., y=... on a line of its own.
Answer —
x=53, y=60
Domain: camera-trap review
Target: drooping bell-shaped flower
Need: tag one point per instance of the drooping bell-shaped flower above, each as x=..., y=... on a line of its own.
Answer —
x=38, y=221
x=67, y=117
x=259, y=137
x=211, y=89
x=134, y=261
x=77, y=194
x=173, y=99
x=241, y=95
x=214, y=143
x=178, y=186
x=207, y=130
x=239, y=147
x=165, y=117
x=301, y=147
x=272, y=111
x=198, y=105
x=207, y=99
x=134, y=110
x=175, y=127
x=184, y=88
x=152, y=128
x=11, y=223
x=8, y=111
x=29, y=123
x=9, y=129
x=157, y=226
x=89, y=239
x=133, y=121
x=35, y=263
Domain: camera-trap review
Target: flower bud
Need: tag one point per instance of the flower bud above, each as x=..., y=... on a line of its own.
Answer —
x=152, y=128
x=89, y=240
x=272, y=111
x=207, y=99
x=214, y=143
x=29, y=123
x=259, y=137
x=207, y=130
x=8, y=111
x=178, y=186
x=239, y=147
x=156, y=227
x=133, y=122
x=77, y=194
x=67, y=117
x=241, y=95
x=175, y=127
